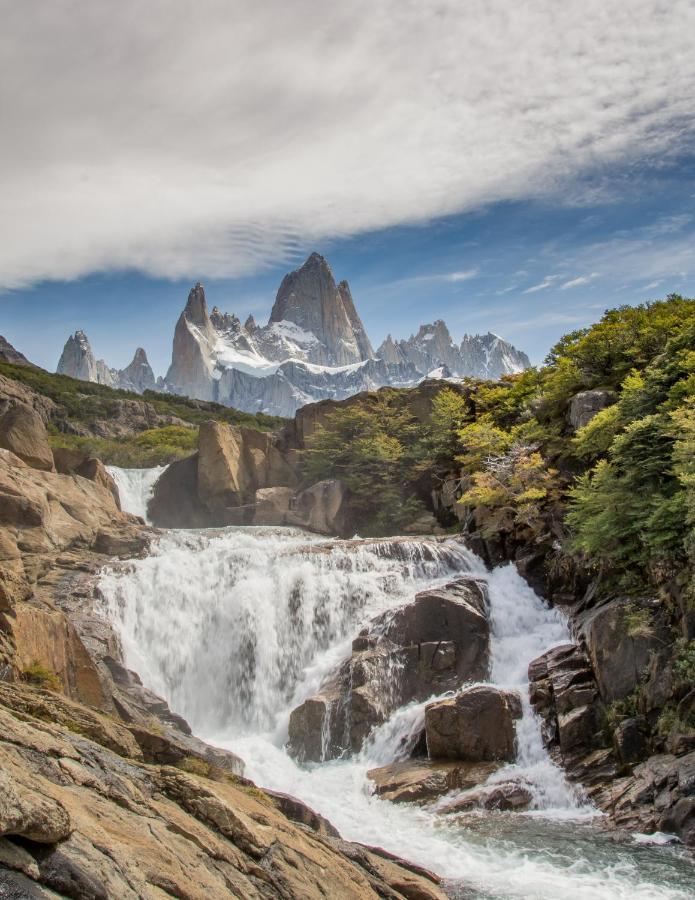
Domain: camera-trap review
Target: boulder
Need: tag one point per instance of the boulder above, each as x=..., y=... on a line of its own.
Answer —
x=620, y=637
x=476, y=725
x=23, y=433
x=504, y=796
x=563, y=692
x=322, y=508
x=424, y=780
x=584, y=406
x=427, y=647
x=272, y=505
x=74, y=462
x=630, y=740
x=174, y=502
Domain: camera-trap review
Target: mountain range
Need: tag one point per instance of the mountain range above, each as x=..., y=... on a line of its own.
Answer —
x=313, y=347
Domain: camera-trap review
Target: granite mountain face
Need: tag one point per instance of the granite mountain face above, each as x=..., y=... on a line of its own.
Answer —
x=313, y=347
x=77, y=360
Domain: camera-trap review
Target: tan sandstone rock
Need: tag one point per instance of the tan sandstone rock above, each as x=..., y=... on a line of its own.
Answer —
x=23, y=432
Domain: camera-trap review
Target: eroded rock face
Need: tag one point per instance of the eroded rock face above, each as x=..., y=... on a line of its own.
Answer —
x=563, y=691
x=97, y=821
x=621, y=636
x=23, y=433
x=477, y=725
x=427, y=647
x=585, y=405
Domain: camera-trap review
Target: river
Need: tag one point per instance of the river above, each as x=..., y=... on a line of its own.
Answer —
x=235, y=627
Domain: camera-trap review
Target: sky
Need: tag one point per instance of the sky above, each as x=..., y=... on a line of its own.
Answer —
x=517, y=168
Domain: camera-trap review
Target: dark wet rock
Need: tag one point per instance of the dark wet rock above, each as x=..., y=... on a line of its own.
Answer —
x=630, y=740
x=427, y=647
x=563, y=691
x=476, y=725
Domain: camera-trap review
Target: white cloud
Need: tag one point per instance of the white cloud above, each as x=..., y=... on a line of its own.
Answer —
x=466, y=275
x=209, y=139
x=547, y=282
x=577, y=282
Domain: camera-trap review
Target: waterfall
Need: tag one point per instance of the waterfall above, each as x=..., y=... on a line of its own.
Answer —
x=235, y=627
x=135, y=487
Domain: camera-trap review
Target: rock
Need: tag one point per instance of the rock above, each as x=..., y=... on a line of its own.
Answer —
x=323, y=508
x=310, y=299
x=425, y=524
x=272, y=505
x=426, y=647
x=95, y=824
x=423, y=780
x=26, y=813
x=137, y=375
x=476, y=725
x=8, y=354
x=74, y=462
x=174, y=502
x=77, y=359
x=584, y=406
x=504, y=796
x=563, y=692
x=621, y=636
x=630, y=740
x=233, y=463
x=23, y=433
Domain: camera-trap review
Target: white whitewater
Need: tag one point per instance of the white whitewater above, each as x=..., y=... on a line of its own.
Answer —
x=235, y=627
x=135, y=487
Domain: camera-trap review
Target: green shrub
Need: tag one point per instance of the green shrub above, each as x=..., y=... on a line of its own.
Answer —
x=41, y=676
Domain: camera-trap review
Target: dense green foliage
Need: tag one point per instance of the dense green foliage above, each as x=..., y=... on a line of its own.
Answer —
x=373, y=447
x=622, y=488
x=154, y=447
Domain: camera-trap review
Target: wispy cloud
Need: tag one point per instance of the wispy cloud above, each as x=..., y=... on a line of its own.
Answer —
x=465, y=275
x=547, y=282
x=209, y=147
x=577, y=282
x=434, y=277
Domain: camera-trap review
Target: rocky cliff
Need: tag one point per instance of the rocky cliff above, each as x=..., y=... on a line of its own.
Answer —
x=104, y=792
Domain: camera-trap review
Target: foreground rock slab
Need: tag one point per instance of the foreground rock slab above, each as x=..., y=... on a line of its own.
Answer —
x=78, y=819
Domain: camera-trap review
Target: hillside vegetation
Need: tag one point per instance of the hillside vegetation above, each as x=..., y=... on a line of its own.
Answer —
x=618, y=493
x=122, y=427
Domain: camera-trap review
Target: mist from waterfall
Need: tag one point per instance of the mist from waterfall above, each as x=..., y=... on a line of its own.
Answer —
x=236, y=627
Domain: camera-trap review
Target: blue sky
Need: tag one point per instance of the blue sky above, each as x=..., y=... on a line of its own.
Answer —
x=513, y=168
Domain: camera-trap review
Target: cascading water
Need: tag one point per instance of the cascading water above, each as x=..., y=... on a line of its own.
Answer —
x=135, y=487
x=236, y=627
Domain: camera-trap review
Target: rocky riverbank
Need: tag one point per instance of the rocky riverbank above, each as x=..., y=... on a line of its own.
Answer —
x=104, y=791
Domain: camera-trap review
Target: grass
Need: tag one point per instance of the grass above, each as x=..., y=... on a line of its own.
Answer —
x=154, y=447
x=41, y=676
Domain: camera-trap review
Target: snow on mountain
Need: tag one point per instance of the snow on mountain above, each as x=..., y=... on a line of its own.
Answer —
x=313, y=347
